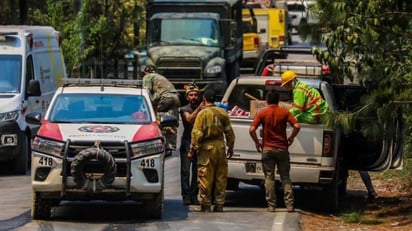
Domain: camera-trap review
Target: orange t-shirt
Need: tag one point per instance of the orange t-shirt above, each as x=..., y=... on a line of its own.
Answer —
x=274, y=122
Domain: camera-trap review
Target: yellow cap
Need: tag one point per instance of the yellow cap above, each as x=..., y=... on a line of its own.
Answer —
x=288, y=76
x=191, y=87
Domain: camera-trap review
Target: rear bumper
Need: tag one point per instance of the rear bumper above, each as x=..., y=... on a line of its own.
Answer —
x=299, y=174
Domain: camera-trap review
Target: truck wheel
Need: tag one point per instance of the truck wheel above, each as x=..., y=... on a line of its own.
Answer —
x=21, y=162
x=232, y=184
x=41, y=208
x=104, y=158
x=330, y=193
x=153, y=209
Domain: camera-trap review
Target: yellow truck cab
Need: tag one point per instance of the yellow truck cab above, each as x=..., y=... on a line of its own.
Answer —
x=272, y=27
x=251, y=39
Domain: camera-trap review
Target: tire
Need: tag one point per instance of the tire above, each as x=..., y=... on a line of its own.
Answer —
x=153, y=209
x=20, y=163
x=41, y=208
x=232, y=184
x=81, y=160
x=330, y=193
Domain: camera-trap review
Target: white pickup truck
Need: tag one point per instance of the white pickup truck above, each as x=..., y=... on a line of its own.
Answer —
x=320, y=156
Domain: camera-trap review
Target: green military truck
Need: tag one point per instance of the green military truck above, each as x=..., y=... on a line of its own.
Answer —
x=195, y=40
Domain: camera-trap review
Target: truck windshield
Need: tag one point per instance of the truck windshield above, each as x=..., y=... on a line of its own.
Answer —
x=100, y=108
x=184, y=31
x=10, y=74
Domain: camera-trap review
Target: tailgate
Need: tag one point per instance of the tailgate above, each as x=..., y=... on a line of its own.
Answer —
x=306, y=148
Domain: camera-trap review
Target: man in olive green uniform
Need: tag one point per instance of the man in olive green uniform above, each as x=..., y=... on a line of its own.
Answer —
x=165, y=100
x=210, y=130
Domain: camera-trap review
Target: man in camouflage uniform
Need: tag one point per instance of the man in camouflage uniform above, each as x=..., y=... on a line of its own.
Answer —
x=165, y=100
x=210, y=130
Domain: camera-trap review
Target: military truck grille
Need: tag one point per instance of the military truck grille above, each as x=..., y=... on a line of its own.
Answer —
x=116, y=149
x=180, y=68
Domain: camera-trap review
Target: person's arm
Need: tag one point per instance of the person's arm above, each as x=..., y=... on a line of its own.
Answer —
x=296, y=128
x=190, y=117
x=196, y=136
x=230, y=137
x=299, y=101
x=252, y=133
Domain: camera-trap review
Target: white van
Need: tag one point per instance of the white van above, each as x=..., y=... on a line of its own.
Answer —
x=31, y=63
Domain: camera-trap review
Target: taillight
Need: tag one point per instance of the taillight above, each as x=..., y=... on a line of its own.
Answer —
x=327, y=144
x=273, y=83
x=256, y=42
x=325, y=70
x=281, y=38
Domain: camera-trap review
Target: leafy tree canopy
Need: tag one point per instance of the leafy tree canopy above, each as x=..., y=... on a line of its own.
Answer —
x=369, y=42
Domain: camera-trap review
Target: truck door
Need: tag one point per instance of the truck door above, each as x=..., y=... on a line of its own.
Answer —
x=371, y=145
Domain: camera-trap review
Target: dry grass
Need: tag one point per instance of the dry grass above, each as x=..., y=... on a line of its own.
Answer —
x=391, y=211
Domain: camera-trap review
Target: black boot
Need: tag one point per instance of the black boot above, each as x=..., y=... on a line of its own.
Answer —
x=218, y=208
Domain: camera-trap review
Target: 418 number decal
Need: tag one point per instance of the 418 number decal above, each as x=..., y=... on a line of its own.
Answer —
x=148, y=163
x=46, y=161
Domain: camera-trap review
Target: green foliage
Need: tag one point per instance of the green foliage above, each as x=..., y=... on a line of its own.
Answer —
x=93, y=30
x=369, y=42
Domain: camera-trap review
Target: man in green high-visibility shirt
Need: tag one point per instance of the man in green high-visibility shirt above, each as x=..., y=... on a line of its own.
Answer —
x=308, y=104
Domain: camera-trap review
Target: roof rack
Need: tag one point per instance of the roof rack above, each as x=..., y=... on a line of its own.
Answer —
x=102, y=82
x=300, y=67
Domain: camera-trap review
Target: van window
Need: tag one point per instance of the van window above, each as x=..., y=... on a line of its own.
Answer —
x=29, y=70
x=10, y=74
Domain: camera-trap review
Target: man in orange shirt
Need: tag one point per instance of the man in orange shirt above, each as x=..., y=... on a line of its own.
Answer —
x=274, y=148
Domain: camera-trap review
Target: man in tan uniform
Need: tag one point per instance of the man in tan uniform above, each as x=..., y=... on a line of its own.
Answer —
x=210, y=130
x=165, y=100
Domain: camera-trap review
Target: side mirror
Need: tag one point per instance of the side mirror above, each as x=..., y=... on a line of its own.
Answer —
x=33, y=118
x=34, y=88
x=168, y=121
x=233, y=31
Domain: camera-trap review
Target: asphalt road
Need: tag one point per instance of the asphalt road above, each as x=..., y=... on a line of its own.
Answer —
x=245, y=210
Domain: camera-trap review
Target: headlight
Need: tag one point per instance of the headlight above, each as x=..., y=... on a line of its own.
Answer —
x=147, y=147
x=214, y=69
x=47, y=146
x=12, y=115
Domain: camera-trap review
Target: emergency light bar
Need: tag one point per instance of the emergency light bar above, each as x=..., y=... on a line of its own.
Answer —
x=101, y=82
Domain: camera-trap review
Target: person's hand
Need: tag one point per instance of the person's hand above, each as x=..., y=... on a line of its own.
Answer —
x=290, y=140
x=258, y=147
x=229, y=153
x=191, y=155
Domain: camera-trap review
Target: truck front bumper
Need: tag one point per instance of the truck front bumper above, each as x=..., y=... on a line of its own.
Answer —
x=10, y=134
x=46, y=174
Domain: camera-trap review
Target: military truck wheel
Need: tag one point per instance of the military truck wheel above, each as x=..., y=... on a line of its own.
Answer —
x=41, y=207
x=20, y=163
